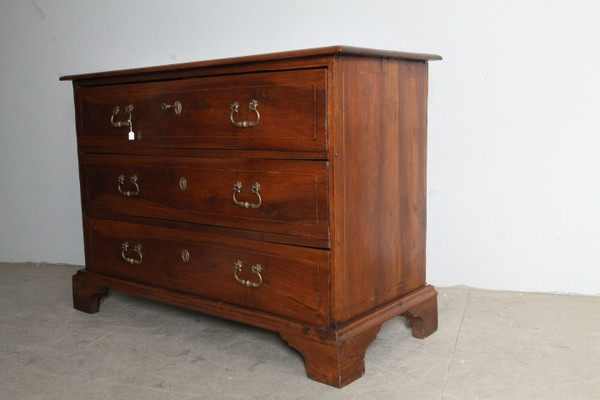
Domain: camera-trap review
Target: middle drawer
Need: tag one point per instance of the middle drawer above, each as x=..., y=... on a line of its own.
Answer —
x=277, y=196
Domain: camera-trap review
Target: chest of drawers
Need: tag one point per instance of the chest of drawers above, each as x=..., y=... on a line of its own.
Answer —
x=284, y=191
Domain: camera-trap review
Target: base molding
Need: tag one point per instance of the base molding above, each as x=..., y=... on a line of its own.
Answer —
x=332, y=355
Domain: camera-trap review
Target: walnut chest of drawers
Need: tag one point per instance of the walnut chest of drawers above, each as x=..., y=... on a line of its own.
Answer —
x=284, y=191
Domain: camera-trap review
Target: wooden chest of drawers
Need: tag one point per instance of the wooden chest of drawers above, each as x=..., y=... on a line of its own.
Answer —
x=285, y=191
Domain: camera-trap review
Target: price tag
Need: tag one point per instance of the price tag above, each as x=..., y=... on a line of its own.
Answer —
x=131, y=133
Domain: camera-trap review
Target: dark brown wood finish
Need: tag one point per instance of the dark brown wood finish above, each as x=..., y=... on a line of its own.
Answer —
x=293, y=193
x=291, y=106
x=332, y=248
x=294, y=279
x=295, y=59
x=379, y=181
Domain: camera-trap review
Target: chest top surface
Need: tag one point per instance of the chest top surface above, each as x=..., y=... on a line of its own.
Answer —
x=188, y=67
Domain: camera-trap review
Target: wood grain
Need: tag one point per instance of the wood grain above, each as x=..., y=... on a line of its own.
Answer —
x=340, y=155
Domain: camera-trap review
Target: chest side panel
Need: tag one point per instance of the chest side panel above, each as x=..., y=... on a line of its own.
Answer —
x=380, y=183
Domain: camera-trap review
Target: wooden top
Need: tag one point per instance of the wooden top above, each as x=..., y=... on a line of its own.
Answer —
x=321, y=51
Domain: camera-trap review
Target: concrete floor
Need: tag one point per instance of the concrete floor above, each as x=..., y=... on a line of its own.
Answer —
x=490, y=345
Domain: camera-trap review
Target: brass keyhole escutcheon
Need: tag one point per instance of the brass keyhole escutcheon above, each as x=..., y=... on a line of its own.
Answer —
x=185, y=256
x=182, y=183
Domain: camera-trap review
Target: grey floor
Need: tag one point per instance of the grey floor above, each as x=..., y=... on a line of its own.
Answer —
x=490, y=345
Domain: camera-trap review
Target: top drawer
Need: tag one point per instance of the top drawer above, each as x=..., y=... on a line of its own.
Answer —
x=260, y=111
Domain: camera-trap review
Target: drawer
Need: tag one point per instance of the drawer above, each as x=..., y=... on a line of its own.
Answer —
x=260, y=111
x=278, y=196
x=285, y=280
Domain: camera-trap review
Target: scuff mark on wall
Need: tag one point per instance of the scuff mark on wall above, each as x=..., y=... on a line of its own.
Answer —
x=38, y=9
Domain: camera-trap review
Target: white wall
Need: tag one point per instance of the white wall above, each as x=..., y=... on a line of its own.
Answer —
x=514, y=193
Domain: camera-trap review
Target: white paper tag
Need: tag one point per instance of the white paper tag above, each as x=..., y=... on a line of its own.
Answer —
x=131, y=135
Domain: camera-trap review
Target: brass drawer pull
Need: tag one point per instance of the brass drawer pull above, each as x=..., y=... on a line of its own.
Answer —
x=121, y=124
x=137, y=249
x=177, y=107
x=235, y=108
x=256, y=269
x=237, y=188
x=128, y=193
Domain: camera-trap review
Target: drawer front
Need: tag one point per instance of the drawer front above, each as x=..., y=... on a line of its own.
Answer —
x=284, y=280
x=262, y=111
x=283, y=196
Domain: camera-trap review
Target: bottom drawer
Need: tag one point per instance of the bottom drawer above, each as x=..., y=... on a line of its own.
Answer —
x=285, y=280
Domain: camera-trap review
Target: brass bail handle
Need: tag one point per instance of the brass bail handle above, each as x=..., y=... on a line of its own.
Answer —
x=121, y=124
x=137, y=252
x=237, y=189
x=133, y=180
x=256, y=269
x=235, y=108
